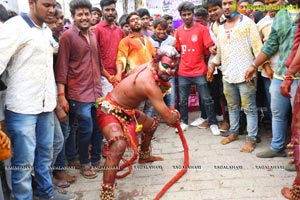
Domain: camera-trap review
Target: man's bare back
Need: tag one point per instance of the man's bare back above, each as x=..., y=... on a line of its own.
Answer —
x=139, y=86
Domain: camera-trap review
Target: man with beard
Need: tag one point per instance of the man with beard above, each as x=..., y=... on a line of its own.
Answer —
x=194, y=43
x=27, y=56
x=120, y=122
x=281, y=39
x=238, y=42
x=136, y=48
x=78, y=80
x=108, y=47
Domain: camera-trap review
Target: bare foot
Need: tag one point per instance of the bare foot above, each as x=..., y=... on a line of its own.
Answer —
x=150, y=159
x=285, y=191
x=71, y=178
x=64, y=176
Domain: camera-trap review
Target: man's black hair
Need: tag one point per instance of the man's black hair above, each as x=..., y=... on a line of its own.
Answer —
x=57, y=5
x=11, y=13
x=160, y=21
x=122, y=19
x=186, y=6
x=262, y=1
x=3, y=13
x=97, y=9
x=142, y=12
x=241, y=1
x=129, y=15
x=74, y=4
x=167, y=17
x=106, y=3
x=201, y=12
x=211, y=3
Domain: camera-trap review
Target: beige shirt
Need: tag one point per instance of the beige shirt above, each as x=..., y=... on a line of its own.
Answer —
x=237, y=49
x=26, y=56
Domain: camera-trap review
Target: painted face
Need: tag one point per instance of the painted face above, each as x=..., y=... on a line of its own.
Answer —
x=166, y=68
x=109, y=13
x=82, y=18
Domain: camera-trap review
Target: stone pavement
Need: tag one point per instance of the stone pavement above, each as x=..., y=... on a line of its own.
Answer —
x=216, y=171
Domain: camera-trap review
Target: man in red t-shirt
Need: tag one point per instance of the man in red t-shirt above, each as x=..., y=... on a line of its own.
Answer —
x=194, y=43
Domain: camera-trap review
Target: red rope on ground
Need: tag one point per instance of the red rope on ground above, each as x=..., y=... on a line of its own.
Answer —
x=182, y=171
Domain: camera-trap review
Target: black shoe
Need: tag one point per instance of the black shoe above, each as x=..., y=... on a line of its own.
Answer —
x=271, y=154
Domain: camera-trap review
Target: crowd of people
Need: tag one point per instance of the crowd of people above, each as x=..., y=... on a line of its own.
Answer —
x=76, y=94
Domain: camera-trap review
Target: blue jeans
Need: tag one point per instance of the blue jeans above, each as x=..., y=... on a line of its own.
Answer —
x=58, y=140
x=32, y=143
x=280, y=106
x=170, y=98
x=268, y=112
x=184, y=88
x=60, y=162
x=146, y=107
x=88, y=130
x=242, y=95
x=71, y=147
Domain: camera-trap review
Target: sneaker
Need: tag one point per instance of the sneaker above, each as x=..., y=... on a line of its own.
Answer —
x=183, y=126
x=271, y=154
x=215, y=129
x=224, y=126
x=198, y=121
x=204, y=125
x=220, y=118
x=59, y=194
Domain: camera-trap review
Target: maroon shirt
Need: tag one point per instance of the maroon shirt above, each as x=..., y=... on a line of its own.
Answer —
x=78, y=66
x=108, y=38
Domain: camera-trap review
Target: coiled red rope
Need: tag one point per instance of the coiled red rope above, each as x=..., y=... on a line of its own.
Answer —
x=183, y=170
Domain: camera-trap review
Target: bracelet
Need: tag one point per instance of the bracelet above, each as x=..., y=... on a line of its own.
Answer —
x=61, y=94
x=254, y=65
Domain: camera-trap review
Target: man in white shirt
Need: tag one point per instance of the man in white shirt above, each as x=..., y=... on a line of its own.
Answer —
x=238, y=43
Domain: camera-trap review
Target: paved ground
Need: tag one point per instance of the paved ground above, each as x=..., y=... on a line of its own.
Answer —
x=217, y=171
